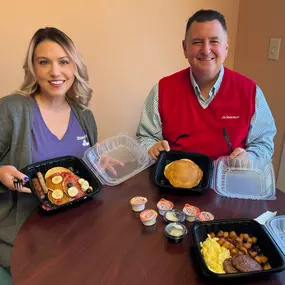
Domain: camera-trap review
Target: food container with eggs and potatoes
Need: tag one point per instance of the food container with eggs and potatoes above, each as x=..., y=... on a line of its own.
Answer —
x=185, y=172
x=236, y=248
x=61, y=181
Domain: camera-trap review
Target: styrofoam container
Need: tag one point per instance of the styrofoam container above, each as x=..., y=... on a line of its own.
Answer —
x=244, y=178
x=121, y=148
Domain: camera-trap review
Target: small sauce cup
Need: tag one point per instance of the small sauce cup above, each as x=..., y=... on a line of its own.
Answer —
x=191, y=212
x=138, y=203
x=205, y=216
x=164, y=205
x=175, y=232
x=174, y=215
x=148, y=217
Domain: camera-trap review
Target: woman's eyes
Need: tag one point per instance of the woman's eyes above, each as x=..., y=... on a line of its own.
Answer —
x=62, y=62
x=43, y=62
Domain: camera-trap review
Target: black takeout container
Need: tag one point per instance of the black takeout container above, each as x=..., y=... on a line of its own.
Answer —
x=267, y=245
x=79, y=168
x=203, y=161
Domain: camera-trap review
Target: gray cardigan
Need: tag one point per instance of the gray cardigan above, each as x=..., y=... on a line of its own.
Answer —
x=16, y=120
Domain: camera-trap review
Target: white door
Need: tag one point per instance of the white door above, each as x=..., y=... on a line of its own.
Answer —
x=281, y=174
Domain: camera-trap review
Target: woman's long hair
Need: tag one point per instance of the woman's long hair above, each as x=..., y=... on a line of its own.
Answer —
x=79, y=93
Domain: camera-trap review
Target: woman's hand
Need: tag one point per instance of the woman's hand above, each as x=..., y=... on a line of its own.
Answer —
x=7, y=175
x=108, y=163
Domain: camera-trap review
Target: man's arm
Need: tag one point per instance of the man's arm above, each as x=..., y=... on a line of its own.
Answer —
x=149, y=130
x=262, y=130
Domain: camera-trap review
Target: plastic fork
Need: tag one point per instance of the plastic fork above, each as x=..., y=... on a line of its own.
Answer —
x=227, y=140
x=18, y=183
x=178, y=138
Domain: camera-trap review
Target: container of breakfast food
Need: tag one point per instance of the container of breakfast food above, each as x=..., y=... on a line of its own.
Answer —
x=175, y=232
x=205, y=216
x=181, y=172
x=252, y=251
x=191, y=212
x=174, y=215
x=164, y=205
x=62, y=181
x=148, y=217
x=138, y=203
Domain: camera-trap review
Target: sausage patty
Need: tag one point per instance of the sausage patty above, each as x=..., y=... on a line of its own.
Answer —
x=228, y=266
x=245, y=263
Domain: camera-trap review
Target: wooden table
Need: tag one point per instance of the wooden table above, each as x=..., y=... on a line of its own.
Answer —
x=102, y=241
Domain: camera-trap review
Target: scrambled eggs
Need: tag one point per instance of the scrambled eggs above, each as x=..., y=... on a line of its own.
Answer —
x=214, y=254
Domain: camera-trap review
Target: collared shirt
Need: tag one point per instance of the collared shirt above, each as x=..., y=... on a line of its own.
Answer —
x=259, y=142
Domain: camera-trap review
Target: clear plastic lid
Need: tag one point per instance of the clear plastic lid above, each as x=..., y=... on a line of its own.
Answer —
x=117, y=159
x=276, y=227
x=244, y=179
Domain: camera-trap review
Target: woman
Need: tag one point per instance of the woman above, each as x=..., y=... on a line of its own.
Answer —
x=48, y=117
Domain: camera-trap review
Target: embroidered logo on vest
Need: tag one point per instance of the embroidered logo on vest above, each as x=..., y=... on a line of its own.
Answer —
x=230, y=117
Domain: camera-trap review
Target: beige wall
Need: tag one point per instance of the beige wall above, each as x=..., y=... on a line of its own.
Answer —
x=260, y=20
x=128, y=45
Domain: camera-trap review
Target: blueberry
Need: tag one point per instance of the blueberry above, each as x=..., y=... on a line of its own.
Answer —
x=69, y=184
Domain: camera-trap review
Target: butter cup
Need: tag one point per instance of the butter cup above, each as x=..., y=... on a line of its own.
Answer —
x=148, y=217
x=138, y=203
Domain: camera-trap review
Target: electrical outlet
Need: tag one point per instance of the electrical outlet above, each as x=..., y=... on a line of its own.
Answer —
x=274, y=47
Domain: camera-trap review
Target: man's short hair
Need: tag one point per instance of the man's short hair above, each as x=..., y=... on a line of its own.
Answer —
x=204, y=16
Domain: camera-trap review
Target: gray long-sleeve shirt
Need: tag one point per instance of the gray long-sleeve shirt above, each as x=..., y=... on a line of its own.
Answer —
x=16, y=120
x=259, y=142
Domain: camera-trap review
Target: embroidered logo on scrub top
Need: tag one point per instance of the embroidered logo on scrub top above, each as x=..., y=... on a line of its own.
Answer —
x=83, y=139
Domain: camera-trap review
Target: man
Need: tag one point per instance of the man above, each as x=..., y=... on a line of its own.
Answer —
x=206, y=100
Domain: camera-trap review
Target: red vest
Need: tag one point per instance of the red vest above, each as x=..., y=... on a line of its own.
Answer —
x=181, y=113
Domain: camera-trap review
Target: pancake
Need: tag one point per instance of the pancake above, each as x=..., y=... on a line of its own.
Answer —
x=72, y=178
x=55, y=170
x=51, y=186
x=61, y=201
x=183, y=173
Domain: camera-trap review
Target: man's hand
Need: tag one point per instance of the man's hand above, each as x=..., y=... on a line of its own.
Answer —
x=157, y=148
x=239, y=153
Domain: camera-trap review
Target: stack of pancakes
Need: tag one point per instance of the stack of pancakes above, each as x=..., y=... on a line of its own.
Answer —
x=183, y=173
x=67, y=177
